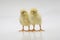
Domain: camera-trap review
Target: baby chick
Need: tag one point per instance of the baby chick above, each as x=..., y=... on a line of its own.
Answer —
x=24, y=19
x=35, y=18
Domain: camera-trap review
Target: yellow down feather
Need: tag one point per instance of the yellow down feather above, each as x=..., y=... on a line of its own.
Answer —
x=24, y=18
x=35, y=17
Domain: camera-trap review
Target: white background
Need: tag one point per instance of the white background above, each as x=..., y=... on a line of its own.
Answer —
x=9, y=19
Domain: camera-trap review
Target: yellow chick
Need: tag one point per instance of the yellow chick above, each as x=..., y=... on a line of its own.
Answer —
x=24, y=19
x=35, y=18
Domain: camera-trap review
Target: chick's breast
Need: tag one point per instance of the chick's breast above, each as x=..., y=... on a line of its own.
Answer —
x=24, y=20
x=36, y=19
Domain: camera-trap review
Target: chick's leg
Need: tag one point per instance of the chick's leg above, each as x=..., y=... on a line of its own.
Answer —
x=33, y=28
x=41, y=28
x=28, y=28
x=22, y=29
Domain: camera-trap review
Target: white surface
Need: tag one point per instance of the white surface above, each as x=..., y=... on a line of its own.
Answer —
x=9, y=22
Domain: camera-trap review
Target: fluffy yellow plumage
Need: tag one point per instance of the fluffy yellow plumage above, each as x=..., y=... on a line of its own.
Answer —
x=35, y=17
x=24, y=18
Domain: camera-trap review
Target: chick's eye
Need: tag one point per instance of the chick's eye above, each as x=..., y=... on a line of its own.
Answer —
x=33, y=11
x=23, y=12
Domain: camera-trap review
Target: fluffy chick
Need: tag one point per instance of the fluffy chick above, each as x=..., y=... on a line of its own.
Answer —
x=35, y=18
x=24, y=19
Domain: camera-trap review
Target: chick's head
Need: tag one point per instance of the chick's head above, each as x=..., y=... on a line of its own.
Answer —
x=23, y=12
x=33, y=11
